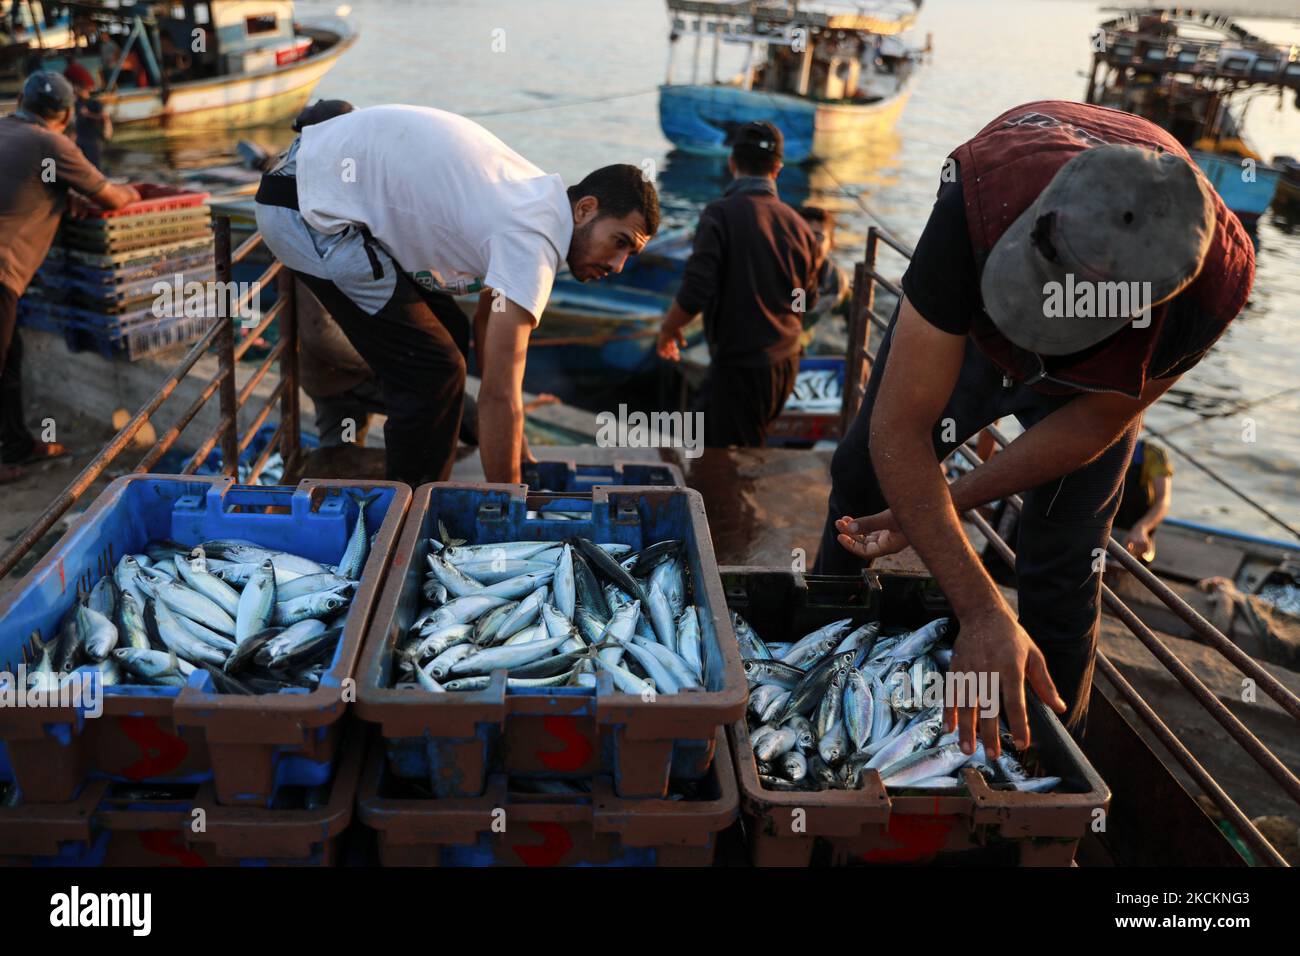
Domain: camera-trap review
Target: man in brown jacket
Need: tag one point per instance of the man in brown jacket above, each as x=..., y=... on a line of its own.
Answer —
x=42, y=169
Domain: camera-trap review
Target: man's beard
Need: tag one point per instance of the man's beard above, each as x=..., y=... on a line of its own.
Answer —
x=579, y=248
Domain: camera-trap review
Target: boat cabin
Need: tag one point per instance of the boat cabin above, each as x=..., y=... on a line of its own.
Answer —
x=816, y=51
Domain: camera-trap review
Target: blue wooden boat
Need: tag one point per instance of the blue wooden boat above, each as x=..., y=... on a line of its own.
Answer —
x=1246, y=190
x=830, y=75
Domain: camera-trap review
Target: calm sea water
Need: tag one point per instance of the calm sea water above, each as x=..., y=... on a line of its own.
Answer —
x=522, y=66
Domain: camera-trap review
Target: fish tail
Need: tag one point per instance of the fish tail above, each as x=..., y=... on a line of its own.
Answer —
x=363, y=501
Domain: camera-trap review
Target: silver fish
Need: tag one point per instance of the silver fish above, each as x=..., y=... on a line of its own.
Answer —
x=156, y=667
x=566, y=588
x=173, y=634
x=440, y=666
x=799, y=652
x=832, y=705
x=794, y=766
x=130, y=622
x=626, y=681
x=935, y=762
x=660, y=674
x=524, y=584
x=195, y=606
x=320, y=604
x=256, y=603
x=457, y=583
x=311, y=584
x=621, y=628
x=775, y=744
x=661, y=616
x=859, y=708
x=834, y=744
x=690, y=645
x=358, y=548
x=525, y=614
x=99, y=636
x=495, y=658
x=194, y=572
x=557, y=625
x=494, y=571
x=680, y=670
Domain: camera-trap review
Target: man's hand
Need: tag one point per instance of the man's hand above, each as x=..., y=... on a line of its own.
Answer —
x=995, y=643
x=1138, y=541
x=79, y=207
x=671, y=341
x=873, y=536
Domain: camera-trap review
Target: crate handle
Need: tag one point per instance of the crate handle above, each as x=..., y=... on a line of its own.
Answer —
x=221, y=500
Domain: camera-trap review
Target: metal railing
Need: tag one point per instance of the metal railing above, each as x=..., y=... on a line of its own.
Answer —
x=220, y=336
x=857, y=370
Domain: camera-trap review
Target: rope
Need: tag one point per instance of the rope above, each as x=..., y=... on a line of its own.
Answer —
x=557, y=106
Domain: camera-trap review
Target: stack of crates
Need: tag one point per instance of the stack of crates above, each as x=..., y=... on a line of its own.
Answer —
x=126, y=776
x=98, y=286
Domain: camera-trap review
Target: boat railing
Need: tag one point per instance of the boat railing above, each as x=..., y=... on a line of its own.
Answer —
x=863, y=318
x=220, y=336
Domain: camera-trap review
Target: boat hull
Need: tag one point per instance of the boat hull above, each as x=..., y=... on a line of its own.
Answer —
x=1249, y=196
x=247, y=99
x=701, y=118
x=605, y=332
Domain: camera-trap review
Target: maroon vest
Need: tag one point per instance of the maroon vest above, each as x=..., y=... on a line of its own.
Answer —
x=1003, y=171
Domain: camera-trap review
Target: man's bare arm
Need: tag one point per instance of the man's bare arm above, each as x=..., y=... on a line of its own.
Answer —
x=502, y=344
x=1063, y=442
x=919, y=377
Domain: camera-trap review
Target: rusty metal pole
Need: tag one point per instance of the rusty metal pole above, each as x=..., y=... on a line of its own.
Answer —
x=225, y=344
x=861, y=305
x=289, y=436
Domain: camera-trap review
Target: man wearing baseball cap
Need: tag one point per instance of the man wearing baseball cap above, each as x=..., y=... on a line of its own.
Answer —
x=41, y=167
x=1075, y=264
x=753, y=273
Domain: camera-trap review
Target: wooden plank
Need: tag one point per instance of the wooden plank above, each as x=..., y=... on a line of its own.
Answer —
x=1189, y=556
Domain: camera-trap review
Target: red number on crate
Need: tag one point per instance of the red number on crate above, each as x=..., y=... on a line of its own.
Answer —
x=164, y=843
x=916, y=837
x=160, y=751
x=577, y=748
x=557, y=843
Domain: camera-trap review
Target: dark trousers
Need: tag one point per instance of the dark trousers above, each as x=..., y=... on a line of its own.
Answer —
x=416, y=345
x=1063, y=525
x=740, y=402
x=16, y=441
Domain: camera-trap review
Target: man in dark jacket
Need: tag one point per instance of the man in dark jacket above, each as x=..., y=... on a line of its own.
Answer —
x=753, y=274
x=1074, y=267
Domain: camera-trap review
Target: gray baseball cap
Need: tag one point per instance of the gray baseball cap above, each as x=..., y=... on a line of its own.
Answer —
x=47, y=93
x=1127, y=225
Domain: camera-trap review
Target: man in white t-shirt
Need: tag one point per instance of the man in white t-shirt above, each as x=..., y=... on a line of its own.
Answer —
x=387, y=212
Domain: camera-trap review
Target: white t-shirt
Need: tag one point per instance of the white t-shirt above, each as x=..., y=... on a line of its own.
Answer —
x=456, y=207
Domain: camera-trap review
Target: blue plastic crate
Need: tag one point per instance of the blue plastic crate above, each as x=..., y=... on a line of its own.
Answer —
x=453, y=741
x=153, y=827
x=570, y=476
x=132, y=339
x=180, y=735
x=804, y=426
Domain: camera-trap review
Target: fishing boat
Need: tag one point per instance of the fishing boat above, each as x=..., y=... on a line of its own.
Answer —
x=1194, y=74
x=830, y=75
x=186, y=66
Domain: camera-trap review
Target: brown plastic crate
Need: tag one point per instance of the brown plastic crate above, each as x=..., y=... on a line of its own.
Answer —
x=873, y=825
x=454, y=741
x=505, y=828
x=101, y=828
x=156, y=738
